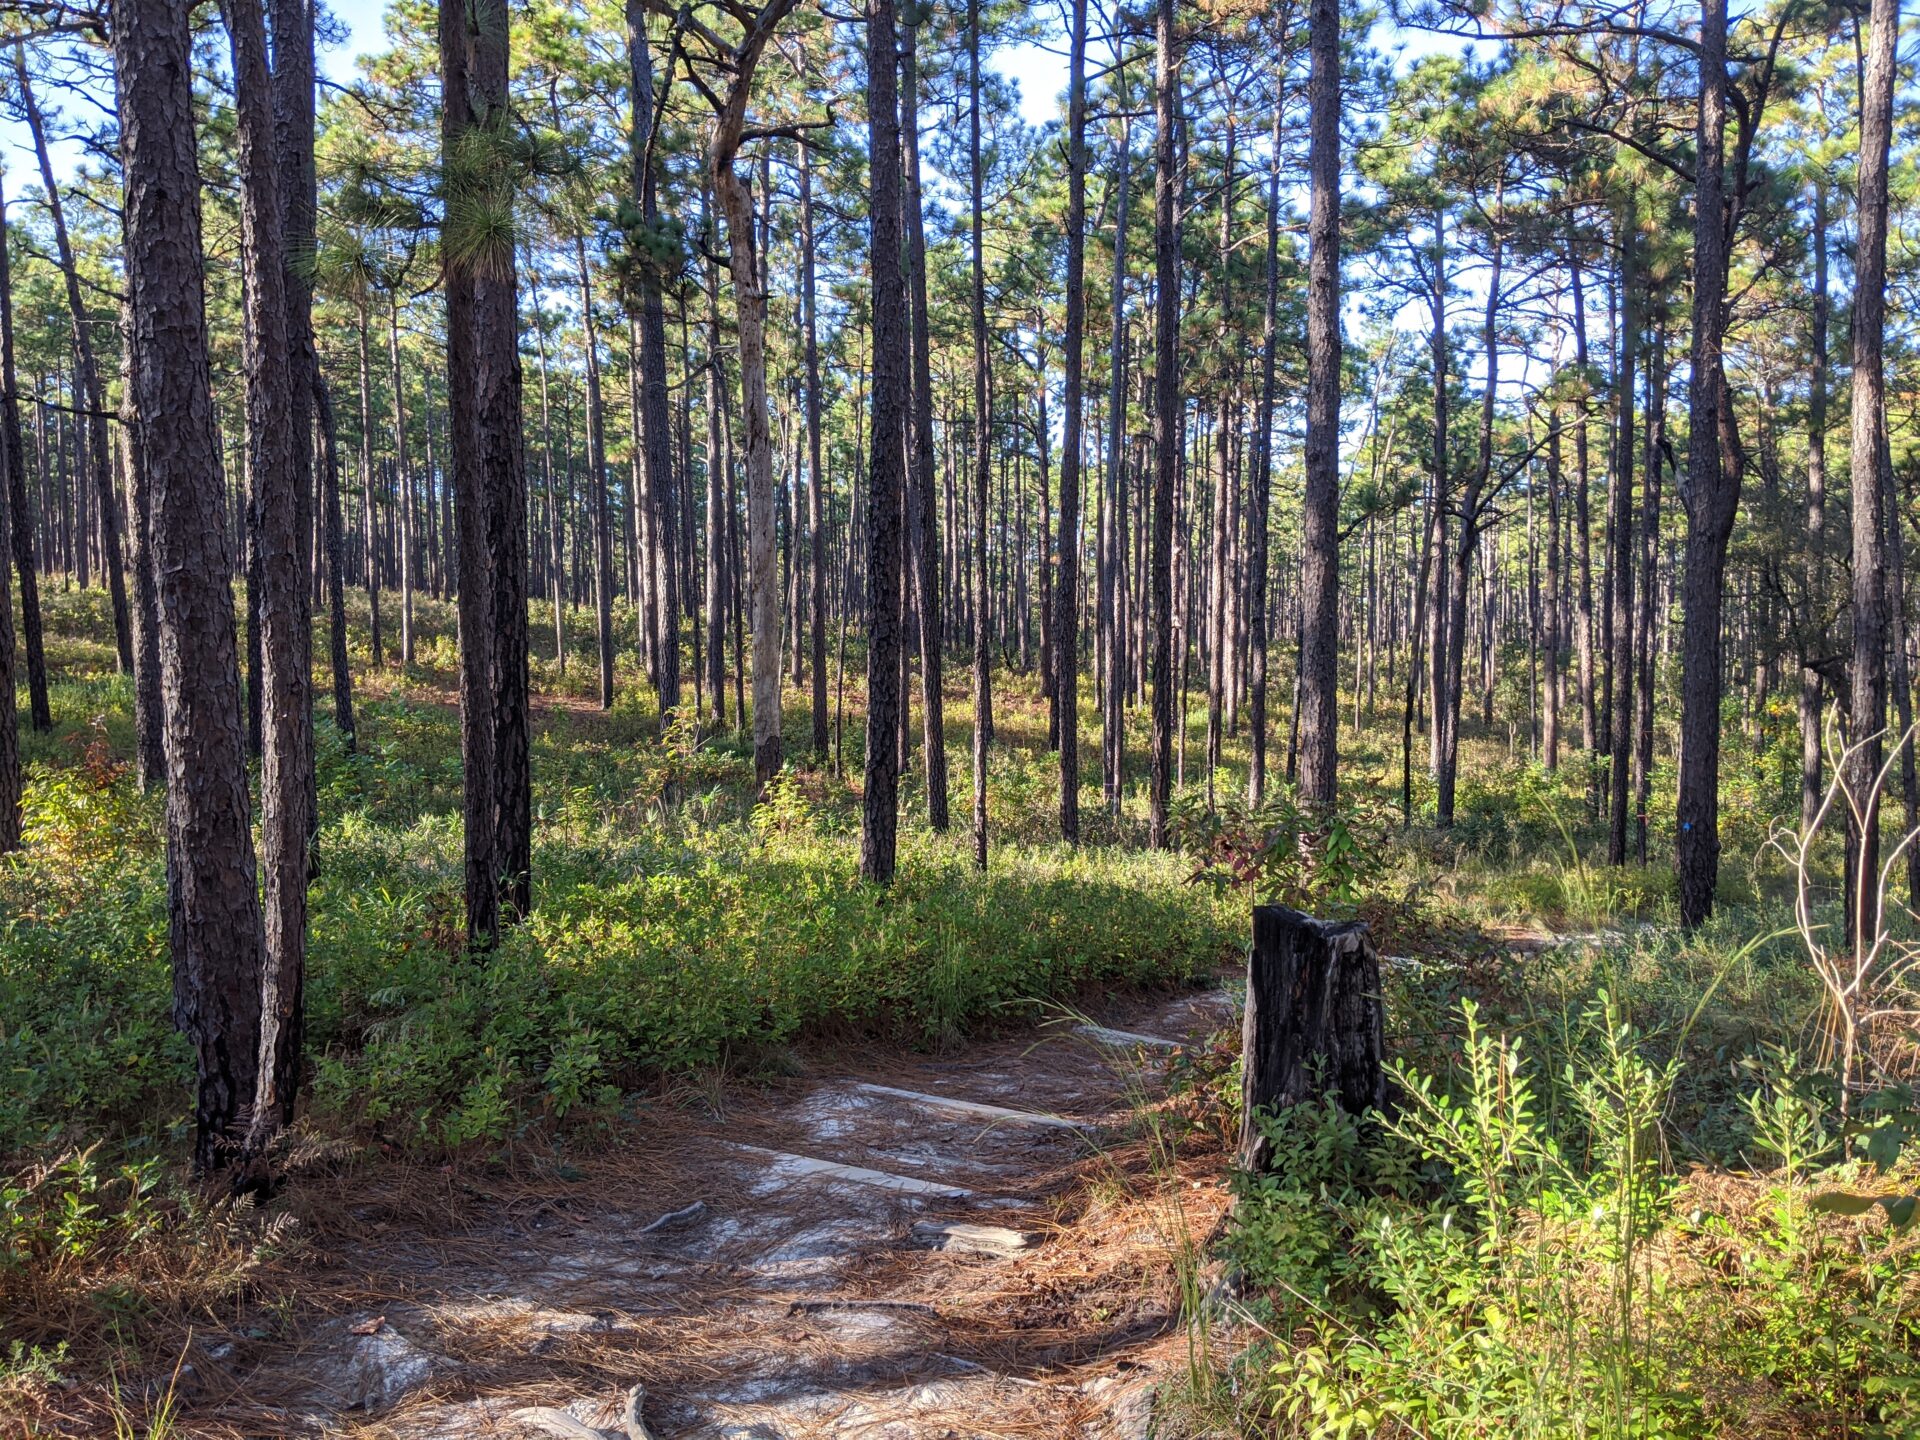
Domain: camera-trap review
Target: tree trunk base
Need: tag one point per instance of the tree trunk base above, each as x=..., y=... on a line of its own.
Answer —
x=1314, y=1021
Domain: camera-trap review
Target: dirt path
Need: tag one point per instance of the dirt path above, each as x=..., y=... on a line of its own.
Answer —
x=976, y=1244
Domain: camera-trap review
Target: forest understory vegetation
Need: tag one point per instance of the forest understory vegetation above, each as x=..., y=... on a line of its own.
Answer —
x=1447, y=465
x=1614, y=1200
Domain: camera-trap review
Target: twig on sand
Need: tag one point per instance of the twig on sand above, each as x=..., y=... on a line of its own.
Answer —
x=559, y=1422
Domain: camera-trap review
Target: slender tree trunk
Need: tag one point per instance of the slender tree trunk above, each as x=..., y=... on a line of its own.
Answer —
x=597, y=482
x=403, y=478
x=89, y=391
x=750, y=303
x=1320, y=578
x=149, y=745
x=716, y=504
x=1815, y=630
x=1263, y=464
x=369, y=510
x=1869, y=461
x=816, y=474
x=1649, y=588
x=886, y=472
x=1112, y=595
x=285, y=627
x=655, y=441
x=1583, y=538
x=1551, y=637
x=983, y=452
x=336, y=564
x=1619, y=629
x=488, y=470
x=20, y=514
x=1066, y=625
x=1167, y=429
x=1712, y=495
x=926, y=541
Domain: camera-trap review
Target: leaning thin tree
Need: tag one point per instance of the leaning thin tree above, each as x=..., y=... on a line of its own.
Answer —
x=708, y=53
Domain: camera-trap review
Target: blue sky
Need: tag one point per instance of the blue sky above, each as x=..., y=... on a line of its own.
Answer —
x=1040, y=73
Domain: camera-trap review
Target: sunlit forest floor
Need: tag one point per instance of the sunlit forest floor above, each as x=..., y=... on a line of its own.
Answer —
x=1605, y=1206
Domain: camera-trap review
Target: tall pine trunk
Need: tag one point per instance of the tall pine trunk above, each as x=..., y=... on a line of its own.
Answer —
x=1167, y=429
x=886, y=464
x=487, y=464
x=1066, y=625
x=286, y=638
x=1868, y=460
x=13, y=456
x=1320, y=521
x=1712, y=493
x=926, y=511
x=213, y=907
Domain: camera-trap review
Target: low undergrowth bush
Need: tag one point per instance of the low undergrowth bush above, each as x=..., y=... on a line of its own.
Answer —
x=716, y=952
x=670, y=932
x=1516, y=1253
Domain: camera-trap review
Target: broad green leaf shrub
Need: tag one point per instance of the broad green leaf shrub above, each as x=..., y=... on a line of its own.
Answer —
x=714, y=955
x=1516, y=1253
x=649, y=951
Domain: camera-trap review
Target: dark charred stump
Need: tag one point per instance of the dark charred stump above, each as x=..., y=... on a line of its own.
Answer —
x=1314, y=1020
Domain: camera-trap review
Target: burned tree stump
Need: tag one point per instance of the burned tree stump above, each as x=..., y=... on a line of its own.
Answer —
x=1314, y=1021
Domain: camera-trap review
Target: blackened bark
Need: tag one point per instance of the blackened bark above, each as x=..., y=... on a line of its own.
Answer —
x=1314, y=1022
x=1066, y=625
x=13, y=457
x=982, y=456
x=1320, y=525
x=213, y=907
x=1868, y=461
x=1166, y=414
x=655, y=437
x=1263, y=467
x=1712, y=495
x=816, y=474
x=488, y=470
x=886, y=464
x=286, y=638
x=1619, y=628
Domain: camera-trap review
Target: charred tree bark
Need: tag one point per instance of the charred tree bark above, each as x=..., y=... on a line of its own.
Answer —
x=816, y=474
x=13, y=456
x=983, y=454
x=886, y=465
x=286, y=637
x=1167, y=428
x=1712, y=493
x=487, y=467
x=213, y=907
x=1314, y=1023
x=1320, y=578
x=1066, y=625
